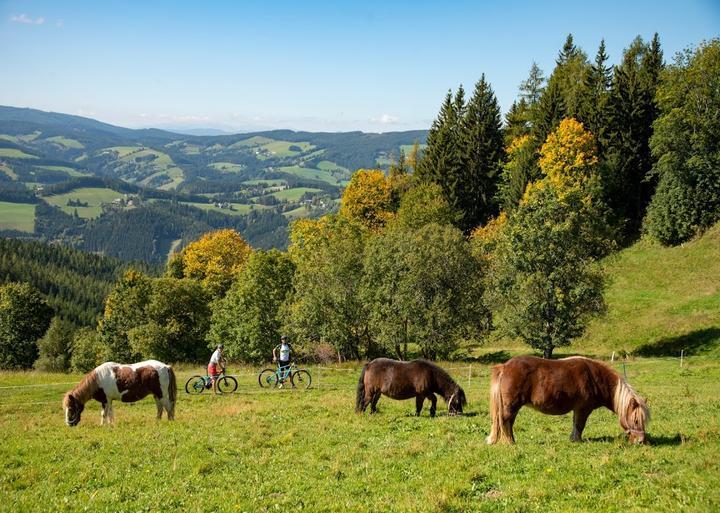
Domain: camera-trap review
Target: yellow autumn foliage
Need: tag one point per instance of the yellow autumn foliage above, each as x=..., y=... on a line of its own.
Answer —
x=483, y=239
x=215, y=259
x=368, y=199
x=568, y=158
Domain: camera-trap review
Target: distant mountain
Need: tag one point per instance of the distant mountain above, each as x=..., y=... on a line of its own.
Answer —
x=92, y=185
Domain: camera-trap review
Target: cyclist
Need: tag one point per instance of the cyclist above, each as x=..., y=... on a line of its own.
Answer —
x=283, y=350
x=216, y=365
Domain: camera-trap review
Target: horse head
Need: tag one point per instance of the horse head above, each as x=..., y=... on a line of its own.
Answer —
x=456, y=401
x=636, y=417
x=73, y=409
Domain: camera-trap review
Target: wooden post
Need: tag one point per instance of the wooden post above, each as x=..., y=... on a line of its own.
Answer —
x=469, y=375
x=612, y=358
x=682, y=353
x=624, y=370
x=318, y=377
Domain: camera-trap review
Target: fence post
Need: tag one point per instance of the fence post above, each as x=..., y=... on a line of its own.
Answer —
x=682, y=353
x=612, y=358
x=318, y=378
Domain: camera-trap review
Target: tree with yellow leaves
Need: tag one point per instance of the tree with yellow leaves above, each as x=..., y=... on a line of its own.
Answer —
x=368, y=199
x=568, y=159
x=214, y=260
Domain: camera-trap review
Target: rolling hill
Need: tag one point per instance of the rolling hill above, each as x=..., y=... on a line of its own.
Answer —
x=67, y=178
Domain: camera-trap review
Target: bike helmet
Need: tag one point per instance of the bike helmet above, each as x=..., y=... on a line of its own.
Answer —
x=221, y=346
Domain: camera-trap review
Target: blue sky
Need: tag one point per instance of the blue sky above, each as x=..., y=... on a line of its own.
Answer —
x=312, y=65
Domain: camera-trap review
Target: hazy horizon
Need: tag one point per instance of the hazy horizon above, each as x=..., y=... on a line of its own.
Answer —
x=316, y=66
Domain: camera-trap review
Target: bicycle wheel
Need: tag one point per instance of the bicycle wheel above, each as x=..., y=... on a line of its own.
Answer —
x=301, y=379
x=226, y=384
x=268, y=378
x=195, y=385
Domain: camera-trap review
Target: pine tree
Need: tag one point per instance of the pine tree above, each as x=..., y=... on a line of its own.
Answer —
x=631, y=112
x=482, y=154
x=593, y=109
x=549, y=111
x=531, y=89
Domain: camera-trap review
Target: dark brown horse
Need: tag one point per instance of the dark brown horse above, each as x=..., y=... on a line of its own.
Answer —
x=556, y=387
x=403, y=380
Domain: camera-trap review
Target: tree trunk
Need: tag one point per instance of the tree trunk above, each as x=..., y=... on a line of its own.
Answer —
x=547, y=352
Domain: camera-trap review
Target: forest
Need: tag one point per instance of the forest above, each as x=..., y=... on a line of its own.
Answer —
x=498, y=226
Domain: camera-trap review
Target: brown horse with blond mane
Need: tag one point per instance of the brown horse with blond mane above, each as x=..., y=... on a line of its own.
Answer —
x=127, y=383
x=404, y=380
x=557, y=387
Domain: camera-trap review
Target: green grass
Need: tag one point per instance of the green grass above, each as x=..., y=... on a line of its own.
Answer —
x=282, y=148
x=314, y=174
x=93, y=196
x=297, y=213
x=64, y=141
x=14, y=153
x=124, y=151
x=327, y=165
x=64, y=169
x=256, y=140
x=17, y=216
x=229, y=167
x=8, y=171
x=661, y=300
x=239, y=209
x=268, y=183
x=290, y=450
x=293, y=194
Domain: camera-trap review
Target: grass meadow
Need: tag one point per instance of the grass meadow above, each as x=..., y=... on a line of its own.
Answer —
x=17, y=216
x=292, y=450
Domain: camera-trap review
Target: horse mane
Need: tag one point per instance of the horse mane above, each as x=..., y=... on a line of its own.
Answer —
x=444, y=381
x=84, y=390
x=630, y=418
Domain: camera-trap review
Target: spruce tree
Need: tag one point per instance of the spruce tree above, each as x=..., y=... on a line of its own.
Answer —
x=593, y=109
x=631, y=112
x=481, y=144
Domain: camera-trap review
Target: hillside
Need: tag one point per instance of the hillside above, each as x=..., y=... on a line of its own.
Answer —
x=90, y=172
x=75, y=283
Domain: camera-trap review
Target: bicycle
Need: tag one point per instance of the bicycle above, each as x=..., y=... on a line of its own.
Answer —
x=225, y=384
x=272, y=378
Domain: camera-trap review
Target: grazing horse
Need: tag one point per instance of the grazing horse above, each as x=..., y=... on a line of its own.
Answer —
x=556, y=387
x=402, y=380
x=128, y=383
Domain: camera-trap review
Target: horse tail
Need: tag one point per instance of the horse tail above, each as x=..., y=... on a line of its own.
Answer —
x=496, y=407
x=360, y=400
x=172, y=392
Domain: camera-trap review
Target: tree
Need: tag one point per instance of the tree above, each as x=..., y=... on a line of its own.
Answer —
x=686, y=146
x=627, y=184
x=520, y=169
x=124, y=310
x=248, y=319
x=368, y=199
x=425, y=204
x=531, y=88
x=481, y=147
x=24, y=317
x=422, y=287
x=56, y=346
x=544, y=283
x=88, y=350
x=174, y=322
x=214, y=260
x=594, y=107
x=441, y=162
x=326, y=307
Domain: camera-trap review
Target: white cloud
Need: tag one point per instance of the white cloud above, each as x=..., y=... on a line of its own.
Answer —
x=23, y=18
x=386, y=119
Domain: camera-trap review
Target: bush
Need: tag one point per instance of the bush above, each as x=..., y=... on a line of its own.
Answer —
x=88, y=350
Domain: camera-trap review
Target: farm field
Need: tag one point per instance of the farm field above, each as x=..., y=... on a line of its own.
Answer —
x=17, y=216
x=239, y=209
x=293, y=194
x=13, y=153
x=275, y=450
x=313, y=174
x=93, y=196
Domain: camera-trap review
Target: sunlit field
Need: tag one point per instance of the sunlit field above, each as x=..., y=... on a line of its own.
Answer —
x=290, y=450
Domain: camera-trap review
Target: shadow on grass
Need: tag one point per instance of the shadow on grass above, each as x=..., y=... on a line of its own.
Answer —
x=651, y=439
x=692, y=343
x=489, y=358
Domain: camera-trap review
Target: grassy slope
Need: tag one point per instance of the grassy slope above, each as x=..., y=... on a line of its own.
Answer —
x=661, y=300
x=17, y=216
x=93, y=196
x=262, y=450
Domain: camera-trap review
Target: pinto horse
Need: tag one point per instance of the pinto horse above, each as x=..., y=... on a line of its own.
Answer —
x=403, y=380
x=128, y=383
x=556, y=387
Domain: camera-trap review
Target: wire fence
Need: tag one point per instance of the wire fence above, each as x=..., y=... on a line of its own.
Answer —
x=324, y=379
